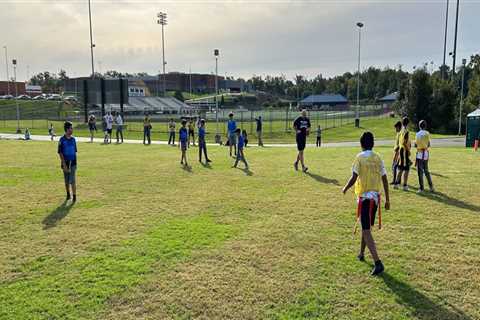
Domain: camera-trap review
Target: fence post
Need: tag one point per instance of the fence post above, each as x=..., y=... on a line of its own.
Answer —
x=271, y=123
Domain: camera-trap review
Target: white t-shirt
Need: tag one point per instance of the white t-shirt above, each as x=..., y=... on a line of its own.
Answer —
x=422, y=154
x=383, y=172
x=119, y=120
x=109, y=121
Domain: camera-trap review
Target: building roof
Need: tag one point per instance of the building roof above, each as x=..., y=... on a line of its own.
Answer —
x=324, y=99
x=389, y=97
x=475, y=113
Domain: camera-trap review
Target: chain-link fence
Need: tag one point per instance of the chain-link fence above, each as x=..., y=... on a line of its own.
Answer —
x=276, y=123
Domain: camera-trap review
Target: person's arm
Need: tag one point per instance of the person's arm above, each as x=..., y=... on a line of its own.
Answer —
x=62, y=158
x=387, y=195
x=350, y=182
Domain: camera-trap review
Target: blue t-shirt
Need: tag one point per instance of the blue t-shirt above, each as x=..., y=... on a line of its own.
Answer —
x=201, y=133
x=183, y=134
x=241, y=142
x=232, y=126
x=68, y=148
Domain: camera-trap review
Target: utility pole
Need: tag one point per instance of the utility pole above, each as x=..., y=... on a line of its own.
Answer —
x=92, y=45
x=464, y=62
x=357, y=111
x=162, y=20
x=14, y=62
x=445, y=42
x=216, y=53
x=6, y=66
x=455, y=41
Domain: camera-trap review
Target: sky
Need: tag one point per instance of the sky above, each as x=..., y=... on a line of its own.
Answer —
x=254, y=37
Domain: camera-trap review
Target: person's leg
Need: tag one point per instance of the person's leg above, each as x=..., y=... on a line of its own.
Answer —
x=363, y=245
x=420, y=164
x=394, y=171
x=149, y=137
x=144, y=134
x=200, y=148
x=427, y=174
x=370, y=242
x=117, y=134
x=205, y=151
x=67, y=185
x=173, y=140
x=193, y=138
x=302, y=160
x=237, y=158
x=405, y=178
x=170, y=138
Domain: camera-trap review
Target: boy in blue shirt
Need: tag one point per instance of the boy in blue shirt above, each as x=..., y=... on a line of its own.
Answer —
x=67, y=151
x=183, y=134
x=240, y=154
x=231, y=128
x=202, y=145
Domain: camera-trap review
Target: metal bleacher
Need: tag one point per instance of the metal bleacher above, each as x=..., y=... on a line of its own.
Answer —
x=153, y=104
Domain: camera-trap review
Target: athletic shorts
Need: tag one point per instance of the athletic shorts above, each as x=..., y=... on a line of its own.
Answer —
x=120, y=128
x=109, y=131
x=191, y=133
x=69, y=177
x=232, y=138
x=183, y=145
x=367, y=215
x=301, y=141
x=404, y=160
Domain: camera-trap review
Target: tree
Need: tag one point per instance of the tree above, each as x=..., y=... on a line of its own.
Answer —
x=178, y=95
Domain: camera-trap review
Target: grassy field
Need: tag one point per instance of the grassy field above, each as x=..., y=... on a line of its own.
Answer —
x=150, y=240
x=274, y=133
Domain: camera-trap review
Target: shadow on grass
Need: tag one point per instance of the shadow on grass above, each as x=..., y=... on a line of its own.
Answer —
x=423, y=307
x=56, y=215
x=206, y=165
x=245, y=170
x=322, y=179
x=445, y=199
x=432, y=173
x=187, y=168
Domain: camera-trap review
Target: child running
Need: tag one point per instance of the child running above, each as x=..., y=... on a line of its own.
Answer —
x=67, y=151
x=240, y=154
x=51, y=131
x=398, y=127
x=183, y=136
x=202, y=145
x=368, y=175
x=422, y=143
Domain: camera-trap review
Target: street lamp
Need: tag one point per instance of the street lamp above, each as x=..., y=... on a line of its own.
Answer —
x=6, y=66
x=92, y=45
x=445, y=42
x=14, y=62
x=216, y=53
x=464, y=62
x=357, y=112
x=162, y=20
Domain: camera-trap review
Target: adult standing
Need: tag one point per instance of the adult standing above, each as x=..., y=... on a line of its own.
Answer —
x=404, y=164
x=302, y=128
x=259, y=130
x=171, y=130
x=92, y=126
x=147, y=127
x=232, y=138
x=109, y=123
x=119, y=131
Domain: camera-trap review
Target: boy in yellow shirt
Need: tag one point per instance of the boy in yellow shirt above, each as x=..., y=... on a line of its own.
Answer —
x=405, y=144
x=396, y=148
x=422, y=143
x=368, y=175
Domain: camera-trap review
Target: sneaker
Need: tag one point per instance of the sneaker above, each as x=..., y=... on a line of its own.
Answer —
x=379, y=268
x=295, y=165
x=208, y=160
x=74, y=198
x=305, y=169
x=396, y=186
x=432, y=190
x=420, y=191
x=361, y=258
x=68, y=197
x=405, y=188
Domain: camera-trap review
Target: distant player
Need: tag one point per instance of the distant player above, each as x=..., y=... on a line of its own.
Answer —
x=171, y=130
x=119, y=131
x=67, y=151
x=396, y=149
x=404, y=164
x=240, y=152
x=202, y=145
x=422, y=143
x=191, y=133
x=319, y=137
x=259, y=124
x=109, y=122
x=147, y=128
x=368, y=175
x=245, y=137
x=183, y=136
x=51, y=131
x=302, y=129
x=92, y=126
x=232, y=137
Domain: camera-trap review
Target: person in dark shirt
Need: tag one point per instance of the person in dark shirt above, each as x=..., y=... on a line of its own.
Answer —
x=240, y=154
x=231, y=128
x=302, y=129
x=319, y=136
x=259, y=130
x=245, y=137
x=183, y=135
x=67, y=151
x=202, y=145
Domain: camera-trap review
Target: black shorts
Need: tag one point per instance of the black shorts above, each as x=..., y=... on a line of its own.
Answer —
x=109, y=131
x=404, y=160
x=368, y=212
x=191, y=133
x=301, y=142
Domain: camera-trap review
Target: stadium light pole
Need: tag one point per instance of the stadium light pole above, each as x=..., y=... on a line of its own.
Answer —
x=216, y=53
x=357, y=111
x=445, y=41
x=455, y=41
x=6, y=66
x=464, y=62
x=14, y=62
x=162, y=20
x=92, y=45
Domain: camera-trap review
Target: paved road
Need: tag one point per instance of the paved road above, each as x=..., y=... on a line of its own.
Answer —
x=444, y=142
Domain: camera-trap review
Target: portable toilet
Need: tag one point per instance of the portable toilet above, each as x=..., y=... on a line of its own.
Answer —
x=473, y=128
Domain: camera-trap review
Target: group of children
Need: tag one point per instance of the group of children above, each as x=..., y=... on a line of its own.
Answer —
x=369, y=175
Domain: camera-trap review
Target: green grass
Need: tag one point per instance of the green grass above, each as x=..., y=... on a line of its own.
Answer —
x=274, y=132
x=149, y=240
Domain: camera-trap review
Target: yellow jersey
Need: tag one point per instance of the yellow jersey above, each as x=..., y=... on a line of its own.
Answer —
x=422, y=140
x=370, y=168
